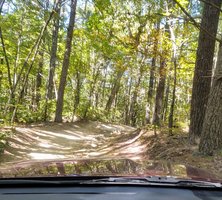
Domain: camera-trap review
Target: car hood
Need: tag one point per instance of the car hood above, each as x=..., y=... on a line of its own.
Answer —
x=95, y=167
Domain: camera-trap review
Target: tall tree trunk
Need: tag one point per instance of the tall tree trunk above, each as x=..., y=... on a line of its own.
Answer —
x=150, y=91
x=39, y=79
x=171, y=115
x=96, y=73
x=114, y=90
x=128, y=101
x=160, y=94
x=174, y=60
x=7, y=61
x=34, y=50
x=133, y=105
x=52, y=64
x=65, y=66
x=53, y=53
x=150, y=96
x=211, y=136
x=77, y=94
x=166, y=99
x=203, y=68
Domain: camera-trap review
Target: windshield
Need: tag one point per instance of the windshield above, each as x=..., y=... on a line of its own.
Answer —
x=111, y=88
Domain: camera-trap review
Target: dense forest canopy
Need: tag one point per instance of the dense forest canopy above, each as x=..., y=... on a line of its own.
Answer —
x=133, y=62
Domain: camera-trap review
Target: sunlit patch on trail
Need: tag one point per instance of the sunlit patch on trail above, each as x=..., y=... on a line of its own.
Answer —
x=45, y=145
x=66, y=136
x=73, y=140
x=44, y=156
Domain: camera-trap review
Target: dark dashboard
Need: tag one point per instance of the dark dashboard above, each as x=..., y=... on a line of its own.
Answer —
x=107, y=193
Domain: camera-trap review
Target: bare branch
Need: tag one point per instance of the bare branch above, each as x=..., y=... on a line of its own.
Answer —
x=195, y=23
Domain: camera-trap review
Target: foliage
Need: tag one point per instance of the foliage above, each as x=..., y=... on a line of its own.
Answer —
x=110, y=38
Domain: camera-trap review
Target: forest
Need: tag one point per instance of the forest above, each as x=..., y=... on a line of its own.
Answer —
x=141, y=63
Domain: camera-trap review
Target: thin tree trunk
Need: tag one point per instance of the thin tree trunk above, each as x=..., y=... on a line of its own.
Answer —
x=160, y=94
x=5, y=54
x=166, y=100
x=7, y=61
x=149, y=106
x=36, y=45
x=150, y=97
x=53, y=53
x=174, y=59
x=114, y=90
x=133, y=105
x=1, y=5
x=203, y=68
x=39, y=79
x=96, y=73
x=77, y=95
x=52, y=64
x=171, y=115
x=65, y=66
x=128, y=102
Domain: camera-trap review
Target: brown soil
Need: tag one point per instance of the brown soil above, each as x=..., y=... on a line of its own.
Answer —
x=103, y=140
x=177, y=149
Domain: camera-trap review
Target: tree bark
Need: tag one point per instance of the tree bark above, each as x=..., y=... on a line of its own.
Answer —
x=171, y=115
x=152, y=79
x=203, y=69
x=1, y=6
x=35, y=48
x=39, y=79
x=52, y=64
x=128, y=100
x=166, y=99
x=149, y=106
x=114, y=90
x=133, y=105
x=65, y=66
x=174, y=60
x=160, y=94
x=77, y=94
x=211, y=136
x=53, y=53
x=6, y=59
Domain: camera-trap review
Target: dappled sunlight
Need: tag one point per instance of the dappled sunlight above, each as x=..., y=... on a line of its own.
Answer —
x=44, y=156
x=104, y=126
x=84, y=140
x=45, y=145
x=135, y=149
x=62, y=135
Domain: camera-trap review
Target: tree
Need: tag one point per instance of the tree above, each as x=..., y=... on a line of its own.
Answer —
x=115, y=89
x=65, y=66
x=53, y=55
x=211, y=136
x=121, y=51
x=158, y=109
x=203, y=68
x=152, y=76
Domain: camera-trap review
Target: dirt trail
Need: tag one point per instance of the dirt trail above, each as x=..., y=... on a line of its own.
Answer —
x=73, y=140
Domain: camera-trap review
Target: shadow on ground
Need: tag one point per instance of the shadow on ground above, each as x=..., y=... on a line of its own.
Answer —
x=73, y=140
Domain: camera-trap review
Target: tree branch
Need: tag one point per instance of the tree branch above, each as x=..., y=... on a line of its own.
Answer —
x=212, y=4
x=1, y=5
x=195, y=23
x=4, y=50
x=6, y=59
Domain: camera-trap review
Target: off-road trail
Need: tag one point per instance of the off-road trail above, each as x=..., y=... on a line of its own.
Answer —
x=73, y=140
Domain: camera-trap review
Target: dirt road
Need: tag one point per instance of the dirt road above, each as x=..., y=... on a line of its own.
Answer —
x=73, y=140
